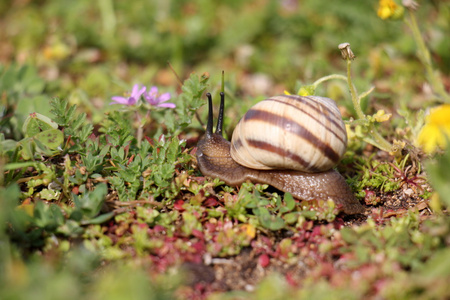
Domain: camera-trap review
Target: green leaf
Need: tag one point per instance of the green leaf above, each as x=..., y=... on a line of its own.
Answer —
x=27, y=148
x=119, y=185
x=439, y=265
x=7, y=145
x=272, y=222
x=19, y=165
x=148, y=215
x=48, y=194
x=100, y=219
x=261, y=211
x=173, y=150
x=191, y=101
x=57, y=214
x=291, y=217
x=349, y=235
x=62, y=114
x=130, y=173
x=48, y=217
x=104, y=151
x=309, y=214
x=91, y=202
x=30, y=82
x=52, y=138
x=36, y=123
x=75, y=125
x=190, y=222
x=9, y=197
x=289, y=200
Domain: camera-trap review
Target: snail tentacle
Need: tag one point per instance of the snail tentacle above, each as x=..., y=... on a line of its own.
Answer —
x=220, y=117
x=210, y=124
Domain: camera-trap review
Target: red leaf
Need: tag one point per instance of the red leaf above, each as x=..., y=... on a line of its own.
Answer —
x=263, y=260
x=211, y=202
x=178, y=205
x=198, y=234
x=76, y=190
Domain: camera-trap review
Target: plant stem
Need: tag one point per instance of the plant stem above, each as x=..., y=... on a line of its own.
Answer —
x=140, y=130
x=335, y=76
x=353, y=92
x=375, y=137
x=424, y=56
x=329, y=77
x=378, y=139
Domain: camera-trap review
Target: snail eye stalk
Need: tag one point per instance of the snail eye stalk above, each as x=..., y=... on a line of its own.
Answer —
x=209, y=125
x=220, y=119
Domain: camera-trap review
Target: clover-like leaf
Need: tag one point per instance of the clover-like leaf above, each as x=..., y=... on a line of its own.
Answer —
x=52, y=138
x=36, y=123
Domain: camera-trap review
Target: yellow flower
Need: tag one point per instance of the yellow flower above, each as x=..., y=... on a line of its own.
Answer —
x=249, y=230
x=307, y=90
x=397, y=147
x=303, y=92
x=389, y=9
x=381, y=116
x=350, y=133
x=436, y=129
x=57, y=51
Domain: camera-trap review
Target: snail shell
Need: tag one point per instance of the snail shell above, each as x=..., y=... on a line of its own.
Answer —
x=290, y=132
x=312, y=125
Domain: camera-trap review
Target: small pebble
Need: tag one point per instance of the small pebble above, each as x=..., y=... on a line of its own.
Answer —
x=408, y=192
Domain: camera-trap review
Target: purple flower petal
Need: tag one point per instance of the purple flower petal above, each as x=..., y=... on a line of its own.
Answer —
x=135, y=89
x=164, y=97
x=154, y=100
x=153, y=91
x=136, y=94
x=150, y=100
x=168, y=105
x=131, y=101
x=119, y=100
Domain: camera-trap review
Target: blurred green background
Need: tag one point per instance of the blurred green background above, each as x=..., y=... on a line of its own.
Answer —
x=85, y=44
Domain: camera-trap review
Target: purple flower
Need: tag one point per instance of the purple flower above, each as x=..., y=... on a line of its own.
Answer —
x=136, y=93
x=158, y=101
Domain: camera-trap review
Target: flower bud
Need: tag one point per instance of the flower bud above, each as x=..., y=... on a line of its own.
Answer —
x=346, y=52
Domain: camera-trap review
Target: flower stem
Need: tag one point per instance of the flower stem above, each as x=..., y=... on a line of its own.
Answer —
x=375, y=138
x=329, y=77
x=424, y=56
x=378, y=139
x=140, y=130
x=353, y=92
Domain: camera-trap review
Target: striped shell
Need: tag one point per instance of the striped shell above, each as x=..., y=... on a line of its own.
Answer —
x=290, y=132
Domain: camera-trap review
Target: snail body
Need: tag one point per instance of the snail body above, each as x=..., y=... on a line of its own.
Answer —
x=289, y=142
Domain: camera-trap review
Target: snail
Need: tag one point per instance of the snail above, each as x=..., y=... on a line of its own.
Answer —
x=289, y=142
